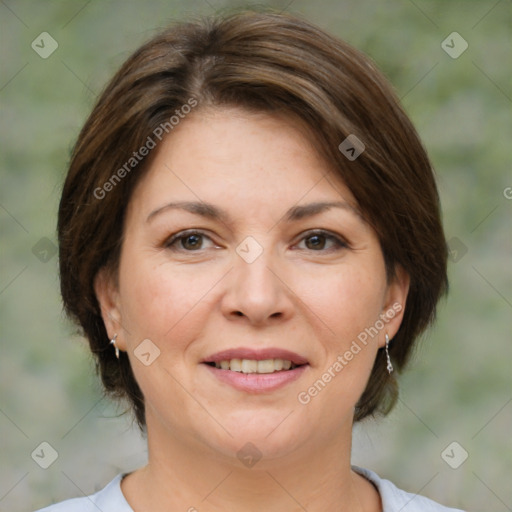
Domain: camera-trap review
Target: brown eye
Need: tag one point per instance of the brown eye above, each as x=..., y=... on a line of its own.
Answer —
x=321, y=241
x=191, y=242
x=315, y=242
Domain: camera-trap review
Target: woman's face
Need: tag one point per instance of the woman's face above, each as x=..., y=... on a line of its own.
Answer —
x=243, y=250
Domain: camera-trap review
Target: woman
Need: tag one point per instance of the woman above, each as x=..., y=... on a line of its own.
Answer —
x=250, y=238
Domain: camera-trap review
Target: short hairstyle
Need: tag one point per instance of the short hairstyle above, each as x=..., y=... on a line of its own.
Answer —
x=265, y=62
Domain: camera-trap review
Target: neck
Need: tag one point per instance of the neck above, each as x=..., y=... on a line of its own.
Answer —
x=181, y=475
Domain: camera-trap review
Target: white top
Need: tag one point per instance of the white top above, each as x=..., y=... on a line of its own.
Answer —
x=111, y=499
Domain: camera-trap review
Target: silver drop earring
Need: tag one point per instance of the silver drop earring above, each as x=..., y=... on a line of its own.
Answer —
x=388, y=359
x=113, y=342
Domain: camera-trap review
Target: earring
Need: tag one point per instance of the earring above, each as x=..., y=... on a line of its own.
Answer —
x=388, y=359
x=113, y=342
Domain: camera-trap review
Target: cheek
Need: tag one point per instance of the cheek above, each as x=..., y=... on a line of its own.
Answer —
x=348, y=299
x=349, y=302
x=163, y=303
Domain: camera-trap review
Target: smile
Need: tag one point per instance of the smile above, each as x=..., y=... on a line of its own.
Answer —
x=255, y=366
x=256, y=371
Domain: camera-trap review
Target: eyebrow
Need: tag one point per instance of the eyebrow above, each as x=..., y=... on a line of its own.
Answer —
x=212, y=212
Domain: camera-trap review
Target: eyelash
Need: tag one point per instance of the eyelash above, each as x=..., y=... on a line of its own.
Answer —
x=339, y=243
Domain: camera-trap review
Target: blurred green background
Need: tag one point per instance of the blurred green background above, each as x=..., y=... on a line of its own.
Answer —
x=458, y=387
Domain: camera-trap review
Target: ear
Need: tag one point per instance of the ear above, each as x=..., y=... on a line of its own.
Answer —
x=394, y=304
x=108, y=298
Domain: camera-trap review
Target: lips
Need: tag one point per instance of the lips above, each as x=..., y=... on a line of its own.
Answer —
x=256, y=355
x=256, y=371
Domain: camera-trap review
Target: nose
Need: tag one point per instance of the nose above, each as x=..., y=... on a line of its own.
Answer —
x=256, y=293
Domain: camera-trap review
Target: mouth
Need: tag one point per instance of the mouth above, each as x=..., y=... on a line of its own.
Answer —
x=256, y=371
x=254, y=365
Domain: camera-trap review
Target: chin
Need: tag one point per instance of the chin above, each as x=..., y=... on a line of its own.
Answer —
x=259, y=433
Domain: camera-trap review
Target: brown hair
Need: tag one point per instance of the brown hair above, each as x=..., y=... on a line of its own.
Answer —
x=265, y=62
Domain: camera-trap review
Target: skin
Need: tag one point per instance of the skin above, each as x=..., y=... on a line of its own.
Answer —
x=305, y=294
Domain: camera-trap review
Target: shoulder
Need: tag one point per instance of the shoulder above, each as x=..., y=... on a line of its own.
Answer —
x=108, y=499
x=111, y=498
x=396, y=499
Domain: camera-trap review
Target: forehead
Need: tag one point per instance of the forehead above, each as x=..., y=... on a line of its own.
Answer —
x=233, y=157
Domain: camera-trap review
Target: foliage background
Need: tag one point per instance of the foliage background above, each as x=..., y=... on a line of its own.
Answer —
x=459, y=385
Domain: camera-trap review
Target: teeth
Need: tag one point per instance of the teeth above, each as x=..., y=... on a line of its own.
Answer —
x=253, y=366
x=235, y=365
x=249, y=366
x=266, y=366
